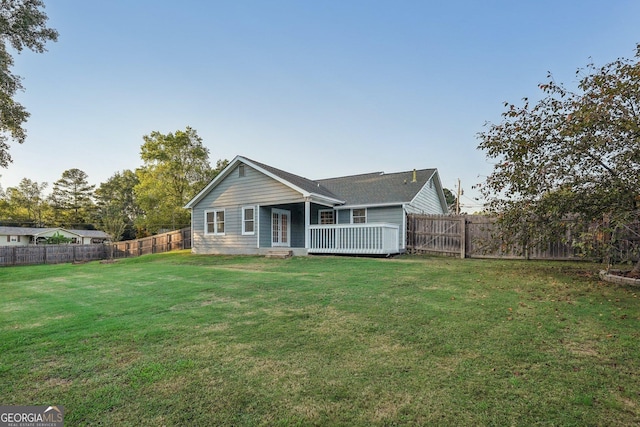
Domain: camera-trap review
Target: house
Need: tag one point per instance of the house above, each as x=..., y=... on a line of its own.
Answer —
x=22, y=236
x=254, y=208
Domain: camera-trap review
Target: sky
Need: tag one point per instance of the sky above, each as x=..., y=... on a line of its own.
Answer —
x=317, y=88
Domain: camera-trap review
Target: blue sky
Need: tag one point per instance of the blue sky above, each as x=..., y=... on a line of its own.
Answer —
x=318, y=88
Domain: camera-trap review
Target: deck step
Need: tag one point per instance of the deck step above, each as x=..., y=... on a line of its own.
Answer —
x=279, y=253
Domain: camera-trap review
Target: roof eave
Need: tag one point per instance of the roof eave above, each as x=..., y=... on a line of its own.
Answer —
x=239, y=159
x=369, y=205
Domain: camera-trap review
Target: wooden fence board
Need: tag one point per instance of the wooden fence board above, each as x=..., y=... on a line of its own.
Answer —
x=475, y=236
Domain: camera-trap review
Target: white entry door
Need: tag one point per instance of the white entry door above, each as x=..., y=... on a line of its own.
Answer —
x=280, y=227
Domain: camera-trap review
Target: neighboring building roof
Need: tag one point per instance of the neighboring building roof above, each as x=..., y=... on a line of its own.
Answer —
x=379, y=188
x=94, y=234
x=25, y=231
x=35, y=231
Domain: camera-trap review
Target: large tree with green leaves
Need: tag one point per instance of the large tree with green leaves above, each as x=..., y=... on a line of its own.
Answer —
x=72, y=199
x=176, y=166
x=22, y=25
x=27, y=202
x=117, y=205
x=572, y=154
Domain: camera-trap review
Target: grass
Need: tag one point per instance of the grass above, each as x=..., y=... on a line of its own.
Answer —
x=179, y=339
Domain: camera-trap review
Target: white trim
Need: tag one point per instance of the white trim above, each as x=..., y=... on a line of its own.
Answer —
x=257, y=225
x=367, y=206
x=403, y=245
x=215, y=222
x=244, y=220
x=307, y=223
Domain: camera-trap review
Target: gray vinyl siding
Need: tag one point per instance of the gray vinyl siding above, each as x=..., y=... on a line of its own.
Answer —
x=232, y=194
x=392, y=215
x=426, y=201
x=343, y=216
x=265, y=227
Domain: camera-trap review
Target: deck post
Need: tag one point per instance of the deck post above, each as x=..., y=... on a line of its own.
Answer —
x=307, y=223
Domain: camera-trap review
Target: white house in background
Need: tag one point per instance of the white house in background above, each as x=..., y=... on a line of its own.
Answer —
x=253, y=208
x=22, y=236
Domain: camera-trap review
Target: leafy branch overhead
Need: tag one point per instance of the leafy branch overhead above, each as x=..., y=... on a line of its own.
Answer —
x=22, y=26
x=574, y=153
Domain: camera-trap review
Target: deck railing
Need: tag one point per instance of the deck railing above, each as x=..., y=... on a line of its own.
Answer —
x=364, y=239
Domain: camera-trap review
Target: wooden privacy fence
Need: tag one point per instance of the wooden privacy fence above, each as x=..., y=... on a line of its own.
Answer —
x=171, y=241
x=56, y=254
x=50, y=254
x=473, y=236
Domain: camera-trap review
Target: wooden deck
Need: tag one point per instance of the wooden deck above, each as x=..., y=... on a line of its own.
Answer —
x=355, y=239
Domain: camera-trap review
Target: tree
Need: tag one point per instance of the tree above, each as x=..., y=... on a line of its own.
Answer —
x=22, y=25
x=175, y=167
x=451, y=199
x=58, y=239
x=4, y=204
x=27, y=201
x=117, y=205
x=573, y=154
x=72, y=198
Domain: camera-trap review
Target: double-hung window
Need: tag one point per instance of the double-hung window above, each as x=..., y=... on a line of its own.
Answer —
x=214, y=221
x=248, y=220
x=326, y=216
x=358, y=216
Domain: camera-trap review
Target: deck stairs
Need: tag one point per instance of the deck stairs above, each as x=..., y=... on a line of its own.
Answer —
x=279, y=253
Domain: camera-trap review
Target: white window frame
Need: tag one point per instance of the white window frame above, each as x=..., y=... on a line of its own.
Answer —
x=365, y=215
x=215, y=222
x=321, y=211
x=244, y=221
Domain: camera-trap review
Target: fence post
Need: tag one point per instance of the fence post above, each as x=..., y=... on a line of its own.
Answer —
x=463, y=236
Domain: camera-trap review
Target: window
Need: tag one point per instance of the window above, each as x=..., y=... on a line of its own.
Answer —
x=214, y=221
x=358, y=216
x=326, y=216
x=249, y=220
x=240, y=170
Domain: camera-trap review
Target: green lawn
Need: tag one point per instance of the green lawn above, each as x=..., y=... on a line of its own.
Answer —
x=178, y=339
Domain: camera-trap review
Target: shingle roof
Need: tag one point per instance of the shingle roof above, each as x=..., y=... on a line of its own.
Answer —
x=91, y=233
x=299, y=181
x=33, y=231
x=369, y=188
x=378, y=187
x=366, y=189
x=24, y=231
